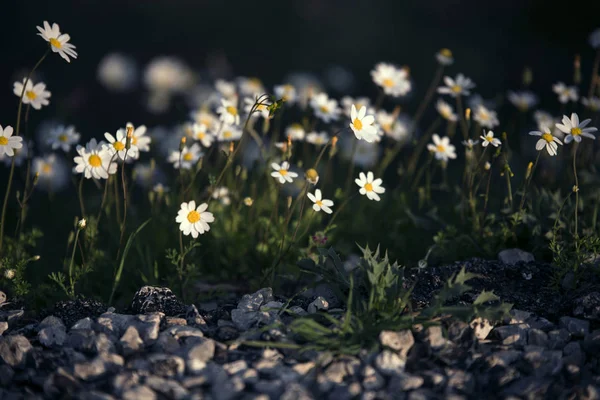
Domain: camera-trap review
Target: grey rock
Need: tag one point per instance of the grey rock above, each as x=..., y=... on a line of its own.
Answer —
x=146, y=325
x=459, y=381
x=544, y=363
x=101, y=365
x=512, y=335
x=389, y=363
x=94, y=395
x=3, y=327
x=84, y=323
x=246, y=315
x=400, y=341
x=168, y=388
x=295, y=391
x=274, y=389
x=131, y=342
x=518, y=317
x=372, y=380
x=6, y=375
x=404, y=382
x=236, y=367
x=197, y=353
x=193, y=318
x=124, y=381
x=60, y=381
x=576, y=327
x=434, y=336
x=166, y=365
x=513, y=256
x=481, y=327
x=536, y=322
x=530, y=387
x=345, y=391
x=194, y=381
x=157, y=299
x=537, y=337
x=423, y=394
x=52, y=332
x=139, y=392
x=88, y=341
x=503, y=358
x=558, y=339
x=318, y=304
x=325, y=291
x=297, y=311
x=14, y=350
x=568, y=281
x=268, y=366
x=183, y=332
x=573, y=354
x=591, y=342
x=588, y=306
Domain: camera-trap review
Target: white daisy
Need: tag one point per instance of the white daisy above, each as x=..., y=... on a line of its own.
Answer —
x=117, y=72
x=565, y=93
x=36, y=95
x=117, y=145
x=401, y=130
x=385, y=120
x=444, y=57
x=394, y=81
x=187, y=158
x=282, y=172
x=325, y=108
x=295, y=132
x=366, y=154
x=547, y=140
x=489, y=139
x=469, y=143
x=261, y=109
x=362, y=124
x=19, y=155
x=62, y=138
x=250, y=86
x=229, y=133
x=286, y=92
x=456, y=87
x=94, y=161
x=165, y=75
x=202, y=116
x=222, y=194
x=369, y=187
x=139, y=138
x=445, y=110
x=320, y=203
x=317, y=138
x=228, y=113
x=485, y=117
x=199, y=133
x=358, y=102
x=52, y=172
x=441, y=148
x=523, y=100
x=575, y=129
x=543, y=118
x=59, y=43
x=194, y=220
x=226, y=89
x=8, y=142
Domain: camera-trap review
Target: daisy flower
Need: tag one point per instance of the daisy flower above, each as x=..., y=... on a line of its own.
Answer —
x=394, y=81
x=362, y=124
x=369, y=187
x=444, y=57
x=139, y=138
x=36, y=95
x=117, y=72
x=445, y=110
x=222, y=194
x=286, y=92
x=226, y=89
x=228, y=113
x=187, y=158
x=202, y=116
x=317, y=138
x=591, y=103
x=194, y=220
x=359, y=102
x=261, y=109
x=229, y=133
x=118, y=143
x=8, y=142
x=575, y=129
x=486, y=118
x=441, y=148
x=523, y=100
x=469, y=143
x=324, y=107
x=144, y=174
x=52, y=172
x=319, y=202
x=62, y=138
x=547, y=140
x=200, y=134
x=489, y=139
x=543, y=118
x=94, y=161
x=565, y=93
x=165, y=75
x=160, y=189
x=385, y=120
x=250, y=86
x=295, y=132
x=59, y=43
x=282, y=172
x=456, y=87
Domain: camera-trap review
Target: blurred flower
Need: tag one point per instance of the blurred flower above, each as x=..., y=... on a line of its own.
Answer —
x=286, y=92
x=358, y=102
x=594, y=39
x=199, y=133
x=575, y=129
x=489, y=139
x=319, y=202
x=139, y=138
x=319, y=138
x=63, y=138
x=167, y=75
x=94, y=161
x=486, y=118
x=369, y=187
x=543, y=118
x=362, y=124
x=444, y=57
x=226, y=89
x=8, y=142
x=325, y=108
x=250, y=86
x=187, y=158
x=446, y=110
x=118, y=145
x=59, y=43
x=565, y=93
x=159, y=188
x=229, y=133
x=547, y=140
x=222, y=194
x=146, y=174
x=19, y=154
x=366, y=154
x=248, y=201
x=441, y=148
x=469, y=143
x=53, y=173
x=385, y=120
x=312, y=176
x=36, y=95
x=202, y=116
x=394, y=81
x=261, y=109
x=591, y=103
x=295, y=131
x=194, y=220
x=523, y=100
x=456, y=87
x=117, y=72
x=401, y=129
x=282, y=173
x=228, y=113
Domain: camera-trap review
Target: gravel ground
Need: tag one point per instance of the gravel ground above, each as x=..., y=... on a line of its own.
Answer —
x=160, y=348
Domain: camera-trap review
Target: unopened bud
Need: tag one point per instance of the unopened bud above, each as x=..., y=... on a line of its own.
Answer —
x=81, y=224
x=238, y=170
x=396, y=112
x=529, y=169
x=312, y=176
x=289, y=201
x=248, y=201
x=468, y=114
x=575, y=188
x=504, y=136
x=128, y=137
x=182, y=144
x=36, y=258
x=487, y=166
x=36, y=178
x=334, y=141
x=289, y=141
x=231, y=148
x=577, y=72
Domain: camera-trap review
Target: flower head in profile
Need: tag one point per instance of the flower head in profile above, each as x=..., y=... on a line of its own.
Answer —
x=460, y=86
x=319, y=202
x=547, y=140
x=94, y=161
x=488, y=138
x=61, y=137
x=8, y=142
x=186, y=158
x=446, y=110
x=441, y=148
x=574, y=129
x=194, y=220
x=282, y=172
x=369, y=186
x=228, y=112
x=485, y=117
x=325, y=108
x=565, y=93
x=35, y=95
x=524, y=100
x=444, y=57
x=59, y=42
x=394, y=81
x=362, y=124
x=358, y=102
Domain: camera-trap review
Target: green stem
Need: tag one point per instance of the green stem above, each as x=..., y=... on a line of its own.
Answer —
x=576, y=189
x=71, y=281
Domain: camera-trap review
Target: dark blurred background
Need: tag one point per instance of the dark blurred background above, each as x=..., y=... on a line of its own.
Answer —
x=492, y=41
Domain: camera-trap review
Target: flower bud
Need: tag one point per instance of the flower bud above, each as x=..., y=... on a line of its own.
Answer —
x=9, y=274
x=128, y=137
x=529, y=169
x=289, y=201
x=248, y=201
x=312, y=176
x=468, y=114
x=81, y=224
x=182, y=144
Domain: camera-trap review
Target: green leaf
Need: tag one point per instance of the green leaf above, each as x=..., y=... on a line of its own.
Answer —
x=485, y=297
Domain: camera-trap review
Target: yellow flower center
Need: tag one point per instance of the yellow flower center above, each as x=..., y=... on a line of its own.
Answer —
x=95, y=160
x=324, y=109
x=283, y=172
x=54, y=42
x=200, y=135
x=63, y=138
x=232, y=110
x=369, y=187
x=358, y=124
x=312, y=174
x=489, y=138
x=523, y=106
x=227, y=134
x=134, y=140
x=46, y=168
x=575, y=131
x=548, y=137
x=440, y=148
x=456, y=88
x=188, y=156
x=118, y=146
x=484, y=116
x=193, y=216
x=31, y=95
x=3, y=141
x=319, y=203
x=446, y=52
